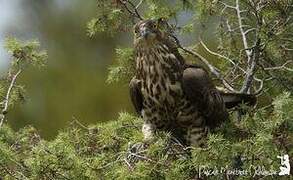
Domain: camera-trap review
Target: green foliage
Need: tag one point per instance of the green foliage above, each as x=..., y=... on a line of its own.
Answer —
x=124, y=68
x=119, y=16
x=24, y=54
x=188, y=28
x=206, y=8
x=270, y=25
x=259, y=140
x=110, y=19
x=113, y=150
x=162, y=9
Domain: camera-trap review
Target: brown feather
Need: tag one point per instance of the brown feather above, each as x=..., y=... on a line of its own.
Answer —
x=199, y=88
x=172, y=95
x=135, y=95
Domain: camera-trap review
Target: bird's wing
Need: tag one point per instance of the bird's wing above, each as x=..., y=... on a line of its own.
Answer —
x=135, y=94
x=200, y=90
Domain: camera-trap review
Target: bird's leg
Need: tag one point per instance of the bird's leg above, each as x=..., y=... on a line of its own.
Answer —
x=149, y=126
x=197, y=136
x=148, y=131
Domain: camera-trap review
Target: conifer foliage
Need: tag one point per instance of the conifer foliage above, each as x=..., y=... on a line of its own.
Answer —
x=253, y=55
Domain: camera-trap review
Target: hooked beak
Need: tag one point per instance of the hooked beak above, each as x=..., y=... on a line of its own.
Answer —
x=145, y=33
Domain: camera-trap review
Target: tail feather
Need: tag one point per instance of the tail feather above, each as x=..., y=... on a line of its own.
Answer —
x=234, y=99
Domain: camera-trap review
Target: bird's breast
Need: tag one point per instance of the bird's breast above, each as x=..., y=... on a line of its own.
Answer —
x=161, y=80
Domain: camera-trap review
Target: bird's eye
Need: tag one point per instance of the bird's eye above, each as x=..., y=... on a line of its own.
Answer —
x=155, y=26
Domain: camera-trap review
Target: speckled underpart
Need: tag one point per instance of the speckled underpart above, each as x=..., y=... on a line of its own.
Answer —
x=165, y=106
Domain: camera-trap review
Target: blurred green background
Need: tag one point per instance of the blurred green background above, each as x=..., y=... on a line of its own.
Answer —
x=73, y=83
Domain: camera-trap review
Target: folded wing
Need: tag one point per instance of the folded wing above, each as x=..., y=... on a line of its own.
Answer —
x=211, y=102
x=135, y=95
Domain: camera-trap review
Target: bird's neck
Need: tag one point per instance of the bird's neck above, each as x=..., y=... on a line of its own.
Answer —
x=160, y=73
x=157, y=60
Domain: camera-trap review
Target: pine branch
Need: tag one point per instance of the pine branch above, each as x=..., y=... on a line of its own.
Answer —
x=212, y=68
x=7, y=97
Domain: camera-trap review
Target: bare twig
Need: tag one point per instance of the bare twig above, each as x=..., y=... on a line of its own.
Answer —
x=253, y=46
x=133, y=12
x=212, y=68
x=251, y=68
x=221, y=56
x=141, y=157
x=138, y=5
x=252, y=54
x=249, y=30
x=135, y=9
x=243, y=34
x=128, y=164
x=228, y=26
x=259, y=90
x=275, y=78
x=7, y=97
x=216, y=54
x=282, y=67
x=79, y=123
x=227, y=6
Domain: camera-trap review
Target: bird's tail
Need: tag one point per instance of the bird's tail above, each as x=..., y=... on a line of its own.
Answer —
x=234, y=99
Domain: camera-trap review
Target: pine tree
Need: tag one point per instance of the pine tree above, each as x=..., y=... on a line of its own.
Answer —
x=253, y=40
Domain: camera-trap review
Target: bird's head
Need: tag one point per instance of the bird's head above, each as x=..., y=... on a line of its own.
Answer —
x=148, y=32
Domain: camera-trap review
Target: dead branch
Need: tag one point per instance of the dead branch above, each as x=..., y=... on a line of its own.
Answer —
x=222, y=56
x=141, y=157
x=244, y=39
x=226, y=6
x=128, y=164
x=138, y=5
x=251, y=69
x=275, y=78
x=212, y=68
x=261, y=83
x=134, y=8
x=7, y=97
x=252, y=54
x=282, y=67
x=75, y=120
x=249, y=30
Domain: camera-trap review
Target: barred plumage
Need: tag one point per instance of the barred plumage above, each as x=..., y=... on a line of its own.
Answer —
x=171, y=95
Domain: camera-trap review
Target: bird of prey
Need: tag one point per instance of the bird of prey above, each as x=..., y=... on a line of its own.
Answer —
x=171, y=95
